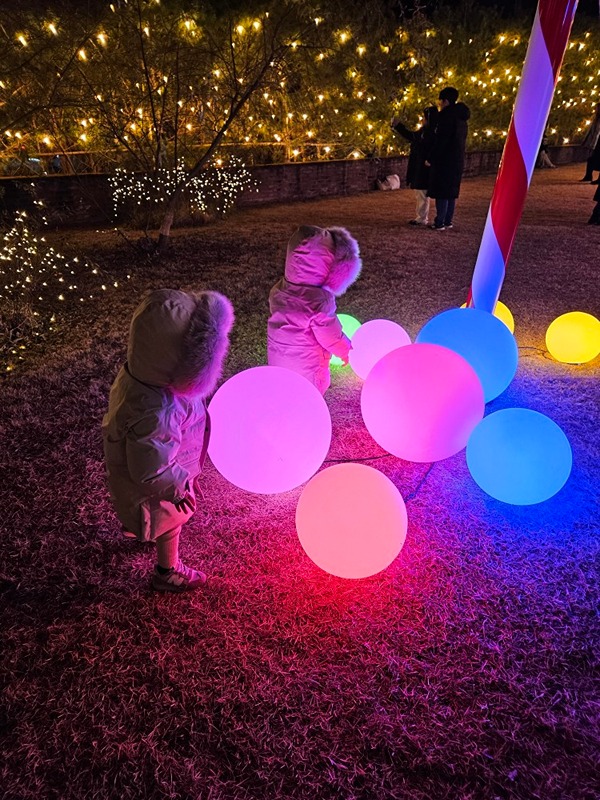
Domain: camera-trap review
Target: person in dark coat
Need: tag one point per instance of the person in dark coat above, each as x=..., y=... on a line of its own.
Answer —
x=595, y=218
x=417, y=173
x=593, y=164
x=447, y=156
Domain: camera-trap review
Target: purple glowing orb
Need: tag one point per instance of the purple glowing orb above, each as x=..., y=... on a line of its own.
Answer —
x=372, y=341
x=271, y=430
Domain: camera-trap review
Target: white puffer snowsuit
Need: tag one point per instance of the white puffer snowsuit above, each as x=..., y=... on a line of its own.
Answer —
x=303, y=331
x=155, y=431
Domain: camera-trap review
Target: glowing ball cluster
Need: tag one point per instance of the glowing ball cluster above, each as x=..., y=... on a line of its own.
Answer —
x=349, y=325
x=351, y=520
x=574, y=337
x=372, y=341
x=480, y=338
x=503, y=313
x=271, y=430
x=519, y=456
x=422, y=402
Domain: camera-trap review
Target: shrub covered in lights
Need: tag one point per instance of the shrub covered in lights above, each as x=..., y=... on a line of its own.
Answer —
x=213, y=191
x=35, y=281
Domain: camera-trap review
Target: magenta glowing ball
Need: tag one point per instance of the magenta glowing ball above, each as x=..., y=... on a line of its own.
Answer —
x=271, y=430
x=422, y=402
x=372, y=341
x=351, y=520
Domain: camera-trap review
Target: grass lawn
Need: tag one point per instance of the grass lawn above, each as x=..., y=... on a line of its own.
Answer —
x=468, y=670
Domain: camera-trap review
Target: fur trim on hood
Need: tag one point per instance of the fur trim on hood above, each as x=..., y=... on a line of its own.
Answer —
x=179, y=340
x=347, y=263
x=326, y=257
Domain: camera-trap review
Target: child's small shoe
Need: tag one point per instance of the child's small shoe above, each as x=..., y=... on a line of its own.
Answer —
x=178, y=579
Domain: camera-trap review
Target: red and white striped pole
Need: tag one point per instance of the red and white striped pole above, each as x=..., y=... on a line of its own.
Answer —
x=547, y=45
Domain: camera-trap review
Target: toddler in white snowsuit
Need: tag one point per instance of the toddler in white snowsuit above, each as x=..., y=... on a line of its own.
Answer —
x=303, y=331
x=156, y=429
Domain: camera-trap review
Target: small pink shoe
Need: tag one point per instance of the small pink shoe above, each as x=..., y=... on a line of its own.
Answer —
x=178, y=579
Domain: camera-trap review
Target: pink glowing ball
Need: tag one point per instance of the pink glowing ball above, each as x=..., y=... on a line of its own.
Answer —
x=422, y=402
x=372, y=341
x=351, y=520
x=271, y=430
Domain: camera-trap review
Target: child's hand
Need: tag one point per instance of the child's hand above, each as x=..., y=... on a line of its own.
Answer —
x=185, y=504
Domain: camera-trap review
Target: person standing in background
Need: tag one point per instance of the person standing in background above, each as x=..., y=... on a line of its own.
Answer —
x=447, y=156
x=417, y=172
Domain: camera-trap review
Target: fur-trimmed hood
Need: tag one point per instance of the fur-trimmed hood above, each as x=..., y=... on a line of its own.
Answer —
x=178, y=340
x=327, y=257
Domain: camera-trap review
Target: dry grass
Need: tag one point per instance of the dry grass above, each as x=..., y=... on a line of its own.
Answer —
x=465, y=671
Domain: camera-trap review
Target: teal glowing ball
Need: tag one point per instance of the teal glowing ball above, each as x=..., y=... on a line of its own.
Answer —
x=349, y=325
x=482, y=340
x=519, y=456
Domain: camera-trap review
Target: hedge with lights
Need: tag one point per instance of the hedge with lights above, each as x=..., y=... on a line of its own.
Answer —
x=143, y=86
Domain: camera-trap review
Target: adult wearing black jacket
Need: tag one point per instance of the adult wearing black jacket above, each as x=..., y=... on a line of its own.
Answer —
x=593, y=164
x=417, y=172
x=447, y=156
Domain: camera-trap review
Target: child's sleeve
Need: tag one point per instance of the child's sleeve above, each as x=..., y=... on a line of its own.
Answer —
x=329, y=334
x=152, y=447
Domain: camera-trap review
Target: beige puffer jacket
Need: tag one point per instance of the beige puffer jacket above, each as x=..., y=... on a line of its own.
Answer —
x=155, y=431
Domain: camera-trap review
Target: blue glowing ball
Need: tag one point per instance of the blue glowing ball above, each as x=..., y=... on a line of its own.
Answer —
x=482, y=340
x=519, y=456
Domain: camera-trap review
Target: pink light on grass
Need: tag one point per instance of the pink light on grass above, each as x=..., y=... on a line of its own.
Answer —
x=372, y=341
x=351, y=521
x=422, y=402
x=271, y=430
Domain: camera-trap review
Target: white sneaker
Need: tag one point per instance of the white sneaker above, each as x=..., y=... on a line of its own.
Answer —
x=178, y=579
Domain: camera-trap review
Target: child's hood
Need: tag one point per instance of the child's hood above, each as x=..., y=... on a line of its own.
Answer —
x=327, y=257
x=178, y=340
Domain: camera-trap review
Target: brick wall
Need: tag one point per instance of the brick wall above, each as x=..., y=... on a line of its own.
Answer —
x=86, y=199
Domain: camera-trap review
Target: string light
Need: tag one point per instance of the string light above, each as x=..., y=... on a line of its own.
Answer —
x=217, y=187
x=283, y=120
x=34, y=277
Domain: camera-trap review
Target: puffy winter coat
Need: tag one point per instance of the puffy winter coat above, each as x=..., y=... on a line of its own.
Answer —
x=155, y=431
x=447, y=155
x=421, y=141
x=303, y=331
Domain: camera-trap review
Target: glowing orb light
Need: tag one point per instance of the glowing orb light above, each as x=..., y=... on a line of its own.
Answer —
x=519, y=456
x=503, y=313
x=349, y=325
x=351, y=520
x=372, y=341
x=421, y=402
x=271, y=430
x=481, y=339
x=574, y=337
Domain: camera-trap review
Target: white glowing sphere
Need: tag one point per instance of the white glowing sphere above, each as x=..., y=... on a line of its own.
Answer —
x=351, y=520
x=372, y=341
x=422, y=402
x=270, y=430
